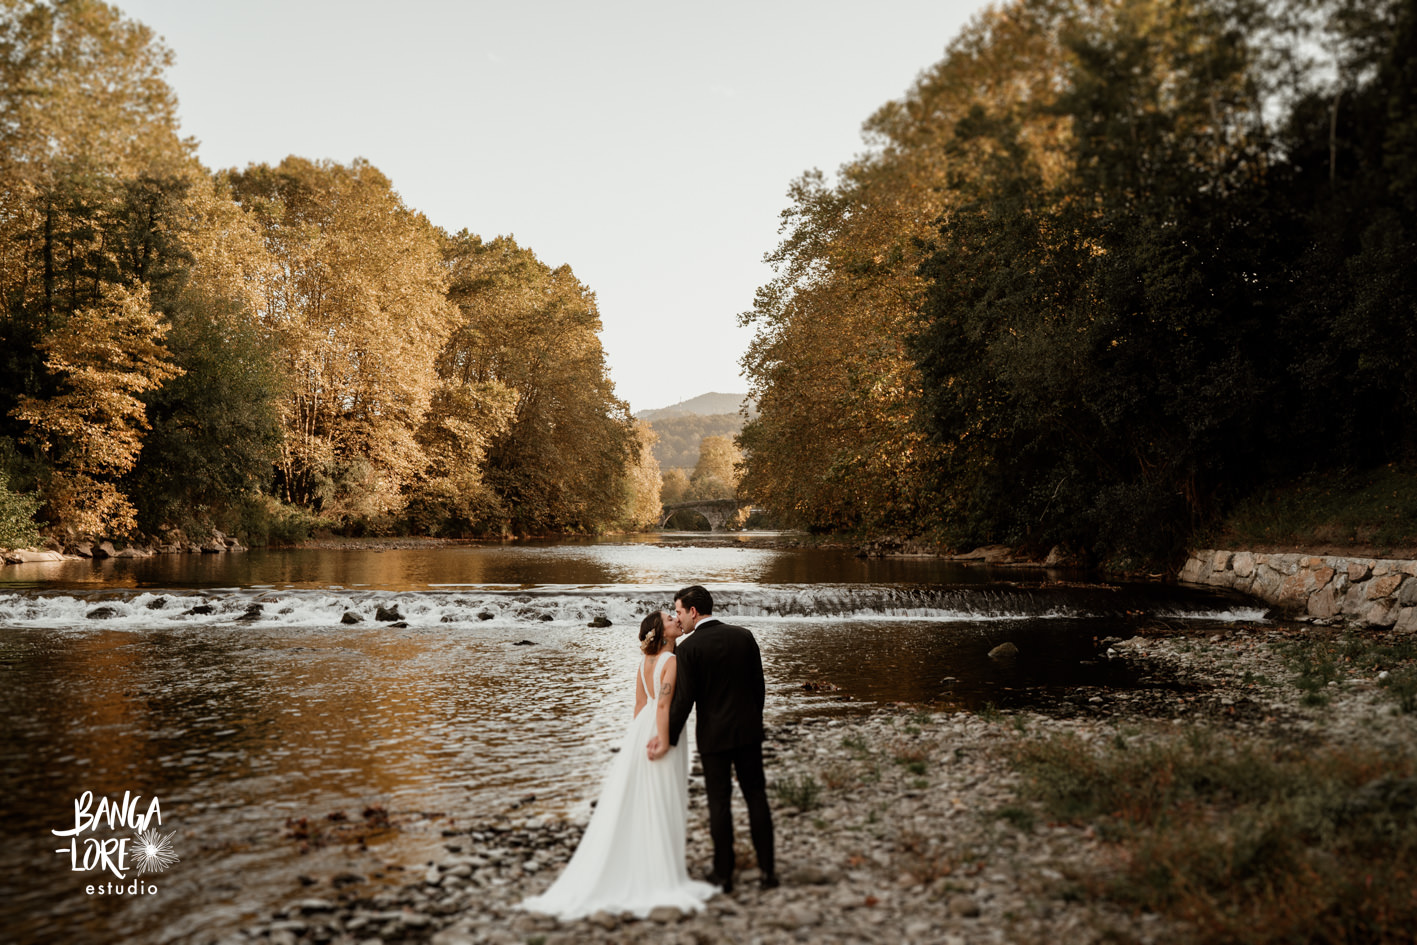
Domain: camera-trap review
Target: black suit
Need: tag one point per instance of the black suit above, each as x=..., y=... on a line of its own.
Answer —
x=721, y=671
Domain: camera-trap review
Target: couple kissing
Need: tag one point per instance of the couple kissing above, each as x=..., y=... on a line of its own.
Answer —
x=631, y=856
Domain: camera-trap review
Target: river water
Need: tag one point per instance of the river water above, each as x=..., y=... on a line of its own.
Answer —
x=236, y=691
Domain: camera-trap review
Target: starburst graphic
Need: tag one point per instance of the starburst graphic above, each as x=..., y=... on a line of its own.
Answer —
x=154, y=851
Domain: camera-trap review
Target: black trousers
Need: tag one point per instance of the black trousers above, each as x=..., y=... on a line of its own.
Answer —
x=747, y=762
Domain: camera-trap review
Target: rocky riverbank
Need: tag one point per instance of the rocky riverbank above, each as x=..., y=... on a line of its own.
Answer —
x=903, y=825
x=175, y=543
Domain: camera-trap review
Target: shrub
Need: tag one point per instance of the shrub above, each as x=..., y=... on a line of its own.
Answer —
x=17, y=525
x=801, y=792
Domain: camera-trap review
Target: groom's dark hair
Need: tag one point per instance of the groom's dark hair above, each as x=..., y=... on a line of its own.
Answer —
x=696, y=598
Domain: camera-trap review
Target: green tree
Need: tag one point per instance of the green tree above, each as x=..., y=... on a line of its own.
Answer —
x=17, y=524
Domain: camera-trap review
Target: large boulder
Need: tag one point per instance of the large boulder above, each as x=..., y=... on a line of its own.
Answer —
x=31, y=556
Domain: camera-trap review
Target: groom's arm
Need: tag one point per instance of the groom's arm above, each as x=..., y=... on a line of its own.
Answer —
x=683, y=693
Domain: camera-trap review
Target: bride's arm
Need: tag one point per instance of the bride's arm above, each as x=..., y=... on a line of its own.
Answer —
x=665, y=697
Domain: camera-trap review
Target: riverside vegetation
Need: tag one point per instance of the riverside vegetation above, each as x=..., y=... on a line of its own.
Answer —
x=1106, y=271
x=1256, y=786
x=271, y=349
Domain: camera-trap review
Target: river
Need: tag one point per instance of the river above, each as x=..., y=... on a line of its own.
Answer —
x=286, y=731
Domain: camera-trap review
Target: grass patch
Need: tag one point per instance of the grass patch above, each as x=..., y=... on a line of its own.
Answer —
x=1375, y=507
x=1247, y=843
x=912, y=756
x=1318, y=659
x=856, y=745
x=1022, y=818
x=838, y=775
x=802, y=792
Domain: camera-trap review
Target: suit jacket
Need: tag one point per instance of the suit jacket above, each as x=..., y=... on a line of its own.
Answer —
x=720, y=670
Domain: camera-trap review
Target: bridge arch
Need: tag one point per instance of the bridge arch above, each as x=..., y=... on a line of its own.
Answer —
x=719, y=513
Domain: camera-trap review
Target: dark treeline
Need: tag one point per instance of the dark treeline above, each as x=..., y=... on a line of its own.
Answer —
x=1108, y=267
x=270, y=349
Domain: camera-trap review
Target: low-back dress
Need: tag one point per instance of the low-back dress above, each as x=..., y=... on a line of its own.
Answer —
x=631, y=856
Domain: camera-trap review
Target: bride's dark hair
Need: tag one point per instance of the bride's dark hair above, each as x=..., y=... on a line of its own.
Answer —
x=652, y=633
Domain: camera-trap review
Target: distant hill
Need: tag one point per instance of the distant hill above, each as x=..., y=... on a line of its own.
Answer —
x=704, y=405
x=682, y=426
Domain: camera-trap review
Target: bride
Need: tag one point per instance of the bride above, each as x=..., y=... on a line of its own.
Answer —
x=631, y=857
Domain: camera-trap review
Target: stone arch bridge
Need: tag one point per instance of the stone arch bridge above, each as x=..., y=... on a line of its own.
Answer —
x=720, y=513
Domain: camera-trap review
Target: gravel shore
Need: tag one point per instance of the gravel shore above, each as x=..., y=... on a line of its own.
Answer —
x=915, y=831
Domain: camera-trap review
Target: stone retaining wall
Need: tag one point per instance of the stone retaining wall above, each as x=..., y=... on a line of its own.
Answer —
x=1375, y=592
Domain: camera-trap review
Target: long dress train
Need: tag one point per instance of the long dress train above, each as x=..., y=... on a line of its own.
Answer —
x=631, y=857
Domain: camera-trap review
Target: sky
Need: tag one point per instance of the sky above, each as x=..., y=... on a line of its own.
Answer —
x=649, y=145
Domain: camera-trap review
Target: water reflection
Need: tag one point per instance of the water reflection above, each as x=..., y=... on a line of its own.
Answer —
x=662, y=560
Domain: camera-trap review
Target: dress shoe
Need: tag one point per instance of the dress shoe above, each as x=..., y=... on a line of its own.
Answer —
x=769, y=881
x=726, y=884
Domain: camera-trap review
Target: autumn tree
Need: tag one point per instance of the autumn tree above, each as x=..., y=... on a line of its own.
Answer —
x=716, y=475
x=94, y=196
x=674, y=486
x=561, y=461
x=642, y=504
x=358, y=311
x=104, y=356
x=837, y=443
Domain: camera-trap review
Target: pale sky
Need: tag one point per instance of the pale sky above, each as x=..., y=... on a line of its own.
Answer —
x=649, y=145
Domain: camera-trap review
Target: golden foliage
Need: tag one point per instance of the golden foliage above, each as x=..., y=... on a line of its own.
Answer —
x=103, y=356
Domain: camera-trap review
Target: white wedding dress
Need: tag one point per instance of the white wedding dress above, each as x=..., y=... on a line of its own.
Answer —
x=631, y=856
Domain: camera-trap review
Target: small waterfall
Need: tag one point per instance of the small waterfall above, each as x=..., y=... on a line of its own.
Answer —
x=620, y=604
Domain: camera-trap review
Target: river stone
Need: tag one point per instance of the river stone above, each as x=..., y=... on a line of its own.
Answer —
x=795, y=917
x=104, y=549
x=453, y=937
x=1004, y=652
x=199, y=611
x=485, y=615
x=525, y=643
x=388, y=614
x=964, y=906
x=603, y=919
x=253, y=612
x=1381, y=614
x=664, y=915
x=103, y=613
x=351, y=617
x=600, y=623
x=810, y=876
x=27, y=556
x=157, y=603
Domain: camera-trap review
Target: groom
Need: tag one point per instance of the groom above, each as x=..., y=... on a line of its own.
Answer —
x=721, y=669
